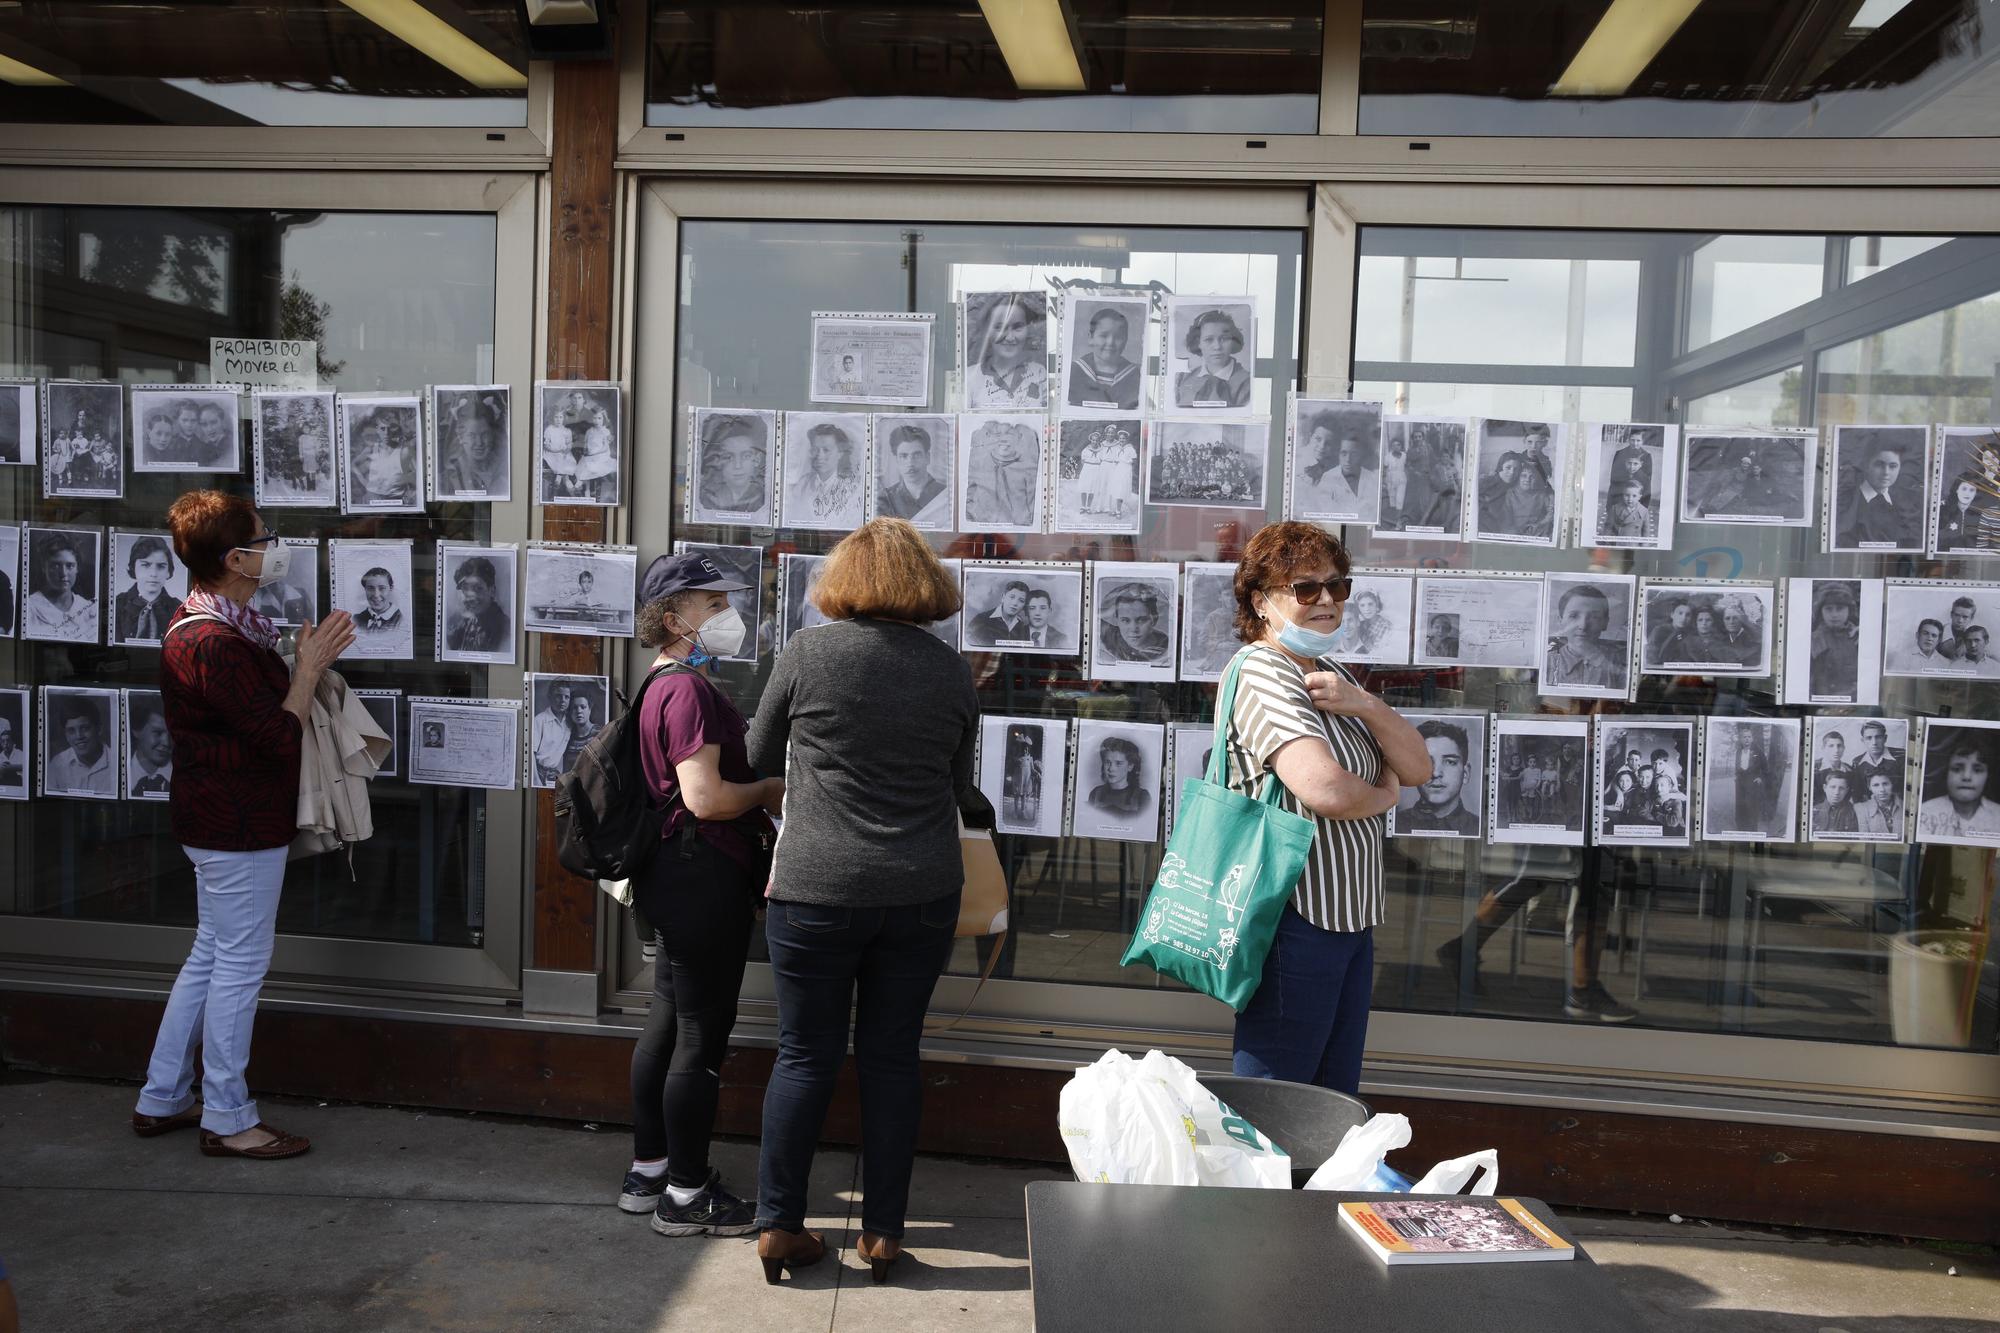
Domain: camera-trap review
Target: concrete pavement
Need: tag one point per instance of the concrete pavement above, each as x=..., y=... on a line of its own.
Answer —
x=423, y=1220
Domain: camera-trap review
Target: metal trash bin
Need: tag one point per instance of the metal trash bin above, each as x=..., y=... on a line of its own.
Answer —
x=1305, y=1120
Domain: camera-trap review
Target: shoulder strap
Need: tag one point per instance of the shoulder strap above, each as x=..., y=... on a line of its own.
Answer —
x=1225, y=722
x=190, y=618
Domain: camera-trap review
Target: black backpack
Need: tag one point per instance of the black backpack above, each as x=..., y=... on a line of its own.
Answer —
x=606, y=827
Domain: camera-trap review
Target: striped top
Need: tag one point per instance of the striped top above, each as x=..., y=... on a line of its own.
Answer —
x=1341, y=888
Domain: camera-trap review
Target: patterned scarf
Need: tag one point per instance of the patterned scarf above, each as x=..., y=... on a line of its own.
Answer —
x=252, y=625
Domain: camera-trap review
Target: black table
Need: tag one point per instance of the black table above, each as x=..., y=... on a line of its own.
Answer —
x=1154, y=1258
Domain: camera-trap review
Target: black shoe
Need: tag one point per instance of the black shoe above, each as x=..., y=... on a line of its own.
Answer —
x=641, y=1193
x=713, y=1212
x=1449, y=955
x=1596, y=1004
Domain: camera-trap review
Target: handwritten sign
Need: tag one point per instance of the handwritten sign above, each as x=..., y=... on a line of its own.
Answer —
x=264, y=363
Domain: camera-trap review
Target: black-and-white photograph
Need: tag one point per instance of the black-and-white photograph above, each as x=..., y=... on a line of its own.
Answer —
x=873, y=360
x=1933, y=627
x=797, y=573
x=1097, y=475
x=1587, y=635
x=1521, y=478
x=1104, y=354
x=1208, y=619
x=576, y=589
x=293, y=450
x=733, y=482
x=20, y=433
x=10, y=578
x=476, y=606
x=1211, y=344
x=1540, y=781
x=1742, y=478
x=1452, y=804
x=1022, y=764
x=1706, y=629
x=1629, y=474
x=383, y=707
x=1335, y=461
x=1867, y=759
x=1965, y=491
x=564, y=712
x=1483, y=622
x=61, y=583
x=1833, y=641
x=80, y=743
x=1878, y=478
x=1024, y=608
x=293, y=600
x=472, y=442
x=151, y=586
x=149, y=747
x=1209, y=464
x=1645, y=781
x=1423, y=478
x=372, y=581
x=1004, y=350
x=381, y=455
x=1001, y=477
x=1375, y=622
x=186, y=428
x=16, y=745
x=83, y=439
x=1751, y=791
x=914, y=458
x=579, y=442
x=743, y=564
x=826, y=470
x=465, y=742
x=1955, y=798
x=1116, y=788
x=1134, y=608
x=1189, y=748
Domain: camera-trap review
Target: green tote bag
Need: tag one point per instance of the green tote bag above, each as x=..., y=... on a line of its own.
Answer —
x=1229, y=870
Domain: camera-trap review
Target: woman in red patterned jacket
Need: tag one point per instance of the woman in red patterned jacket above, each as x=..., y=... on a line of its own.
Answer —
x=236, y=717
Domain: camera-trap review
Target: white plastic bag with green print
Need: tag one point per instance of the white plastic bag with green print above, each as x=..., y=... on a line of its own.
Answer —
x=1151, y=1122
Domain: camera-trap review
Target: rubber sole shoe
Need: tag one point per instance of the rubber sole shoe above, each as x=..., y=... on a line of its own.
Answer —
x=642, y=1193
x=1596, y=1004
x=713, y=1212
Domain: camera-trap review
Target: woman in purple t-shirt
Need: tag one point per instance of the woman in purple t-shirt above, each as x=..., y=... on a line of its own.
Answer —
x=700, y=894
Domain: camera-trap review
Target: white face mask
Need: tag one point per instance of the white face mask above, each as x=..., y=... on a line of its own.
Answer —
x=722, y=634
x=277, y=561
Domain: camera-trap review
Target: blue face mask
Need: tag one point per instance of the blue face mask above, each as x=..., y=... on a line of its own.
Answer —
x=1304, y=642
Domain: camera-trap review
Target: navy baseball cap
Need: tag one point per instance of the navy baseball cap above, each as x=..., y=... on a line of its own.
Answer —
x=669, y=574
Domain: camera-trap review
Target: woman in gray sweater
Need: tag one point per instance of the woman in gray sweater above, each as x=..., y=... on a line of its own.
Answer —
x=880, y=719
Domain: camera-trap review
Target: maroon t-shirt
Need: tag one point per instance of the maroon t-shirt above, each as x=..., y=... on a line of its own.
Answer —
x=680, y=714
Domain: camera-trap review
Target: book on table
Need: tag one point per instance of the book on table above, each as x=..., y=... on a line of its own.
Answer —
x=1466, y=1229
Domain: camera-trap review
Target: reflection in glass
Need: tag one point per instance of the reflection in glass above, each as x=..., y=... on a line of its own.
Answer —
x=1497, y=310
x=1737, y=281
x=1769, y=400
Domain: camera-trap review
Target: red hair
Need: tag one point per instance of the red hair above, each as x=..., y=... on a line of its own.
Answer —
x=208, y=525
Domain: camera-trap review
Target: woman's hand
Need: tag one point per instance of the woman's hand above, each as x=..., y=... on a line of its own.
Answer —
x=318, y=646
x=1331, y=694
x=774, y=797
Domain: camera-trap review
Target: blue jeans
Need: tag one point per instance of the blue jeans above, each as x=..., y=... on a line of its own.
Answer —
x=214, y=1001
x=883, y=961
x=1308, y=1020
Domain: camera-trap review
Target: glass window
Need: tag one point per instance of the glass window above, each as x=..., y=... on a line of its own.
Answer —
x=1096, y=65
x=746, y=294
x=1556, y=311
x=1737, y=281
x=1719, y=69
x=1869, y=255
x=264, y=62
x=395, y=301
x=1806, y=939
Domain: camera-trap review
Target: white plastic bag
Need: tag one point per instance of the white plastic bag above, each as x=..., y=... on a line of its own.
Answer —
x=1450, y=1177
x=1357, y=1163
x=1150, y=1122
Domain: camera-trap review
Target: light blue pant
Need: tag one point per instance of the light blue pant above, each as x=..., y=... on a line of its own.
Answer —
x=214, y=1001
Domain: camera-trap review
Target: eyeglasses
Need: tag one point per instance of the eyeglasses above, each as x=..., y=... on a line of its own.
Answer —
x=258, y=541
x=1308, y=591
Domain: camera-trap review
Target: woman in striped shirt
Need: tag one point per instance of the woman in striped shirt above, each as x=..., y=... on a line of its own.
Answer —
x=1342, y=755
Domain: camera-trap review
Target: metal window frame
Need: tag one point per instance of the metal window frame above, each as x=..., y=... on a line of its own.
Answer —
x=516, y=201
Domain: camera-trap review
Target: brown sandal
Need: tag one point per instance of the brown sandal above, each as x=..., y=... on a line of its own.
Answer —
x=151, y=1126
x=285, y=1145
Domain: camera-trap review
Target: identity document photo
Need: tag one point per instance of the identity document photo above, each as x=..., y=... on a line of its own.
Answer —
x=1965, y=491
x=1004, y=351
x=1540, y=781
x=61, y=584
x=1335, y=460
x=825, y=470
x=292, y=450
x=1520, y=479
x=581, y=589
x=914, y=460
x=1645, y=780
x=1878, y=478
x=1375, y=623
x=1630, y=471
x=465, y=742
x=476, y=604
x=1133, y=613
x=1103, y=354
x=579, y=442
x=17, y=744
x=1116, y=789
x=20, y=432
x=743, y=564
x=1423, y=478
x=797, y=573
x=1860, y=779
x=151, y=585
x=875, y=360
x=1208, y=619
x=1706, y=629
x=1452, y=804
x=293, y=600
x=1833, y=641
x=1484, y=622
x=1762, y=480
x=732, y=452
x=1023, y=607
x=371, y=581
x=1001, y=475
x=1940, y=628
x=1751, y=788
x=1956, y=804
x=1022, y=764
x=1211, y=354
x=381, y=455
x=471, y=442
x=80, y=743
x=564, y=712
x=149, y=747
x=186, y=428
x=1097, y=475
x=1210, y=464
x=1587, y=635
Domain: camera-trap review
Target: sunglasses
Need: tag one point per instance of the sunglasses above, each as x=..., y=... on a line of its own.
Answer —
x=1308, y=591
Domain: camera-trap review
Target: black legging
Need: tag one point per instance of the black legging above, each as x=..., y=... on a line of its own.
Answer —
x=702, y=904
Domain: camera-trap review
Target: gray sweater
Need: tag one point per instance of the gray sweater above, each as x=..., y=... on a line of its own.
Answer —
x=881, y=719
